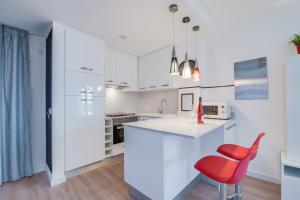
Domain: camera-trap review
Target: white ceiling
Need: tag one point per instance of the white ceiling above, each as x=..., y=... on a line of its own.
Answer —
x=228, y=12
x=146, y=23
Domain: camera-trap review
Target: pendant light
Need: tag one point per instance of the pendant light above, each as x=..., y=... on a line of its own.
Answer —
x=186, y=71
x=196, y=74
x=174, y=70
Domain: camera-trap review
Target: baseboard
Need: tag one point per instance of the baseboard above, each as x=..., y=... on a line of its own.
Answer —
x=264, y=177
x=81, y=170
x=53, y=182
x=39, y=169
x=136, y=194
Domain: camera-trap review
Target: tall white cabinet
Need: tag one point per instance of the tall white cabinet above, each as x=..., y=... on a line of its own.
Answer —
x=290, y=176
x=78, y=101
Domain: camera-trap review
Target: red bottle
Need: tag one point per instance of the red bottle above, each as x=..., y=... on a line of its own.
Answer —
x=200, y=112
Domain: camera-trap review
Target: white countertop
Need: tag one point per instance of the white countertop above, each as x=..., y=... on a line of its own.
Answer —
x=158, y=115
x=183, y=126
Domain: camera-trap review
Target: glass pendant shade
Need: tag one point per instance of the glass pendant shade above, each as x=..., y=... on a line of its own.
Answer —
x=196, y=74
x=186, y=71
x=174, y=70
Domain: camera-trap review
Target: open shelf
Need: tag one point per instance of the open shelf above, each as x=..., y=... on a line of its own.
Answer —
x=108, y=134
x=291, y=171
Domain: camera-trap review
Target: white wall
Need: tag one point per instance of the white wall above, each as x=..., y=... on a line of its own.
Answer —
x=37, y=66
x=265, y=35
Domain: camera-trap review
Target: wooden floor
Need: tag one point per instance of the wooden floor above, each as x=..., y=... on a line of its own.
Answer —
x=106, y=183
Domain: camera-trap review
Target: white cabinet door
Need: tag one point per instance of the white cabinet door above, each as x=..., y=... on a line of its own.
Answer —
x=293, y=107
x=84, y=52
x=144, y=71
x=133, y=75
x=78, y=83
x=84, y=136
x=230, y=133
x=163, y=58
x=123, y=69
x=154, y=70
x=110, y=67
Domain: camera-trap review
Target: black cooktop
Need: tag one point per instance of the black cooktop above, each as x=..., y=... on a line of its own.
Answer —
x=121, y=114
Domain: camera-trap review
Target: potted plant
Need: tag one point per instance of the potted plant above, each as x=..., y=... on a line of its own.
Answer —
x=295, y=40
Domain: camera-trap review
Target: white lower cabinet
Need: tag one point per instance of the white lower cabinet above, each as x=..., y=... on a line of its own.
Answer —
x=84, y=138
x=290, y=179
x=230, y=133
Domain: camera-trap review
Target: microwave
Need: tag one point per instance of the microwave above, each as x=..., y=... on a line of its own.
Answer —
x=216, y=110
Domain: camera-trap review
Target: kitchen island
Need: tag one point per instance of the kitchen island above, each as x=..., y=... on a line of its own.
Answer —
x=160, y=155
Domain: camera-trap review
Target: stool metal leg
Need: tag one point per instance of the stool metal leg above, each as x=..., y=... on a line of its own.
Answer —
x=222, y=191
x=237, y=192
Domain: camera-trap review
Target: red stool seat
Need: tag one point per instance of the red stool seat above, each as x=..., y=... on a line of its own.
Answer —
x=233, y=151
x=239, y=152
x=217, y=168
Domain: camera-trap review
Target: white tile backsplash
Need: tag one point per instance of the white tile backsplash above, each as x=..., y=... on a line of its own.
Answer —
x=149, y=102
x=144, y=102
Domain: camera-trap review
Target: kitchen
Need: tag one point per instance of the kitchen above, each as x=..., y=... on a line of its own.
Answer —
x=142, y=95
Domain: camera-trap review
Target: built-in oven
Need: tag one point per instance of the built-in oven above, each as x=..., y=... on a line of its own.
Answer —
x=118, y=135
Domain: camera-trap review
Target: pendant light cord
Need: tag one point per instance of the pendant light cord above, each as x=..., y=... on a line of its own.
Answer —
x=173, y=28
x=196, y=42
x=186, y=45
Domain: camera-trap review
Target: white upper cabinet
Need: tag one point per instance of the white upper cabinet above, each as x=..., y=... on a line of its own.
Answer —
x=154, y=70
x=121, y=69
x=110, y=67
x=82, y=52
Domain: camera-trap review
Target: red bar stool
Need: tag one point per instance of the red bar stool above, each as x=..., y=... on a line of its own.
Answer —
x=237, y=152
x=226, y=171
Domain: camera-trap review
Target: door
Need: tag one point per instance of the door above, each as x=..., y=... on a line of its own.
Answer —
x=49, y=100
x=84, y=126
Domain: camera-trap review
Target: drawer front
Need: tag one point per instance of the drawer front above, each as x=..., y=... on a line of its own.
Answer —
x=78, y=83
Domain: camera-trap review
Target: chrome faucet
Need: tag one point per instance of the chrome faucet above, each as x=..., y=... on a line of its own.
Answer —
x=162, y=111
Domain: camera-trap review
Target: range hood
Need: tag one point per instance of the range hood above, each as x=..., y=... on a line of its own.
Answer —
x=116, y=86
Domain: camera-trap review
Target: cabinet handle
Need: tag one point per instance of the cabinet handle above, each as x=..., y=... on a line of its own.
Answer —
x=152, y=86
x=83, y=68
x=230, y=127
x=109, y=81
x=165, y=85
x=86, y=68
x=142, y=88
x=125, y=83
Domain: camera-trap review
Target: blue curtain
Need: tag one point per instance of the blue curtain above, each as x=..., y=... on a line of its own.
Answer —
x=15, y=141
